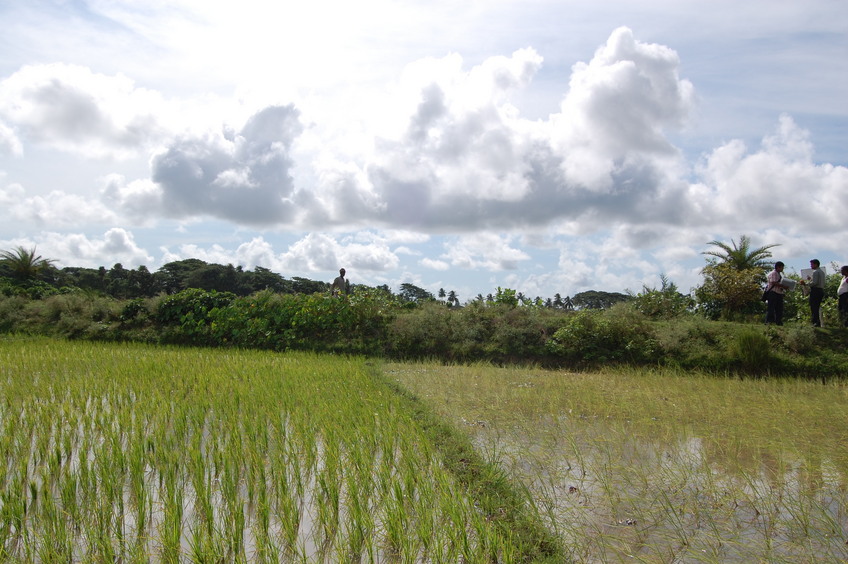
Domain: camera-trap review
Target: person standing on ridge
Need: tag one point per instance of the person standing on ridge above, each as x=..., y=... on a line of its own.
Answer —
x=816, y=284
x=842, y=296
x=775, y=294
x=339, y=286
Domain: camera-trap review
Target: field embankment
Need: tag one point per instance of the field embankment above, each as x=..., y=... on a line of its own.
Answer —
x=373, y=324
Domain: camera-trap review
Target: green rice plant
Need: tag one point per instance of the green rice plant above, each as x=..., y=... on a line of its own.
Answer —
x=131, y=453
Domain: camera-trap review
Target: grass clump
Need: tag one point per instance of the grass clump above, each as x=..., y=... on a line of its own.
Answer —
x=752, y=351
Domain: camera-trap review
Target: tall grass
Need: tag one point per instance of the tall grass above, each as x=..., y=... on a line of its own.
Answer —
x=134, y=453
x=661, y=466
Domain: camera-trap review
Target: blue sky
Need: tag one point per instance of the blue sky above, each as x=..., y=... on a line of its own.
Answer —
x=548, y=147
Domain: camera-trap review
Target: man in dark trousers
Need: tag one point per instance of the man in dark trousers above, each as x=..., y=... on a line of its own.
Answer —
x=816, y=285
x=775, y=292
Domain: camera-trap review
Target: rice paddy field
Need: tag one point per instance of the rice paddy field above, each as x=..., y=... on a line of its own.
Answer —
x=640, y=466
x=132, y=453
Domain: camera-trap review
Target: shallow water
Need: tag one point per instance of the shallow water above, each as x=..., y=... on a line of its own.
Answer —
x=614, y=493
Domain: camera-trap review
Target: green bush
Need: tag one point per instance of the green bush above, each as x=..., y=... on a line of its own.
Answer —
x=304, y=322
x=185, y=316
x=426, y=331
x=619, y=334
x=498, y=332
x=134, y=310
x=799, y=339
x=12, y=313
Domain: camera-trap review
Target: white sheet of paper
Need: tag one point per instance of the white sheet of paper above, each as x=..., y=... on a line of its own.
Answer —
x=807, y=273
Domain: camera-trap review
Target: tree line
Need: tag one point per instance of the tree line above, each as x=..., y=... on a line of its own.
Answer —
x=23, y=271
x=733, y=278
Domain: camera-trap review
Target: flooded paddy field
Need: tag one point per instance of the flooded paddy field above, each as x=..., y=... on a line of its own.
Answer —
x=629, y=465
x=148, y=454
x=115, y=452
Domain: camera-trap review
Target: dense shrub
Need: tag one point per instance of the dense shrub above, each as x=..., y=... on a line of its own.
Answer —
x=134, y=310
x=12, y=313
x=374, y=323
x=185, y=316
x=662, y=304
x=307, y=322
x=619, y=334
x=495, y=332
x=425, y=331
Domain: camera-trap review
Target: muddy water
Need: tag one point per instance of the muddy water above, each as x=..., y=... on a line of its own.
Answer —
x=613, y=491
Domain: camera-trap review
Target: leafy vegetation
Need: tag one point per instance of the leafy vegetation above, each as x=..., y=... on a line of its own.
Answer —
x=718, y=328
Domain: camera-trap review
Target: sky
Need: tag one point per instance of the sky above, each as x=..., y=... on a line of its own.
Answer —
x=551, y=147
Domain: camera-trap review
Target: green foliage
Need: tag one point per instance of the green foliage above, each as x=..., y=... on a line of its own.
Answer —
x=24, y=264
x=506, y=296
x=594, y=299
x=372, y=321
x=187, y=315
x=303, y=322
x=133, y=310
x=619, y=335
x=665, y=303
x=728, y=292
x=12, y=313
x=479, y=331
x=740, y=257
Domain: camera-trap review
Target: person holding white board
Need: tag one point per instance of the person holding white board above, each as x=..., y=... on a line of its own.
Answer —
x=814, y=280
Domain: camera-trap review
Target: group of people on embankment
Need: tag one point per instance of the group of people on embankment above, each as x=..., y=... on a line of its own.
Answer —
x=813, y=281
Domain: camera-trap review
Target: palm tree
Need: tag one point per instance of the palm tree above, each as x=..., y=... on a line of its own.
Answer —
x=741, y=256
x=452, y=298
x=23, y=263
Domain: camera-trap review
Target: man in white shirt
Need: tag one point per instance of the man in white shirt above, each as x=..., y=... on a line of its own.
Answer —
x=842, y=296
x=774, y=298
x=816, y=284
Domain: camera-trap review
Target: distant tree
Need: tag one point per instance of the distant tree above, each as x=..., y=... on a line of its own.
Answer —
x=214, y=277
x=452, y=299
x=412, y=293
x=306, y=286
x=263, y=279
x=741, y=256
x=442, y=293
x=172, y=276
x=85, y=278
x=142, y=282
x=23, y=264
x=506, y=296
x=594, y=299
